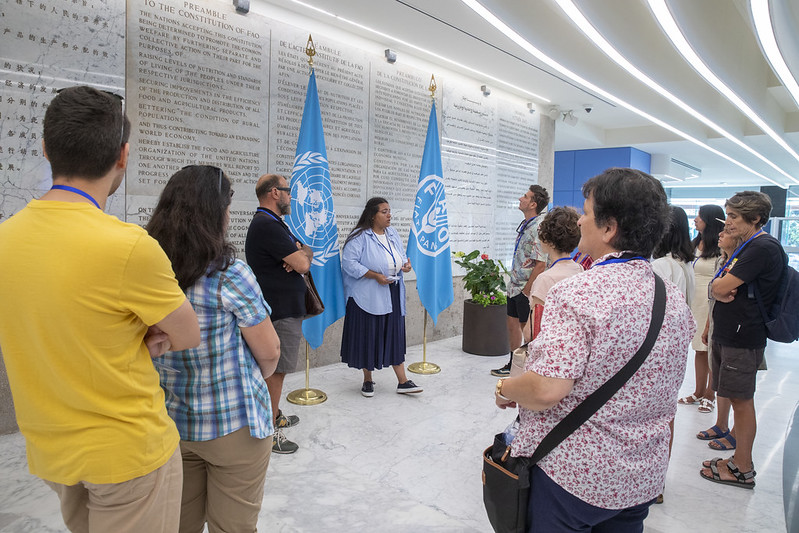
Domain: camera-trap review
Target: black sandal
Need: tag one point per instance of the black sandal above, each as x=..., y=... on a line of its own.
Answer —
x=742, y=479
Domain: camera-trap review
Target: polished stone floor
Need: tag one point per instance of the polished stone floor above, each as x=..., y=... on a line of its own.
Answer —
x=395, y=463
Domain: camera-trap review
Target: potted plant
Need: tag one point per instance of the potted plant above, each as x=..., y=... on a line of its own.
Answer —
x=484, y=314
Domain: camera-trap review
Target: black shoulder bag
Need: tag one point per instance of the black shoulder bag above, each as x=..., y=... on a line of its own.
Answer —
x=506, y=479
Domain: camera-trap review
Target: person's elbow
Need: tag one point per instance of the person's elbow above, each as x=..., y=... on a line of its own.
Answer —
x=182, y=327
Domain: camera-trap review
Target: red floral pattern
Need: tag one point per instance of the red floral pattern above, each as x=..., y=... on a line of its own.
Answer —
x=593, y=324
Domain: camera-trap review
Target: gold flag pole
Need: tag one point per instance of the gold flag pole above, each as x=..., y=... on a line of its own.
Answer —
x=307, y=396
x=423, y=367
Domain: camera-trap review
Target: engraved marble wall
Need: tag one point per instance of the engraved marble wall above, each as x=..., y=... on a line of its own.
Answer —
x=206, y=85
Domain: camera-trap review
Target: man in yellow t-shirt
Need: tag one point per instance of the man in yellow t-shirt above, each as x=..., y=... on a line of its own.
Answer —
x=87, y=300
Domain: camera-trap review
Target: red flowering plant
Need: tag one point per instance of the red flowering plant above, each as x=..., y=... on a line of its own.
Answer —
x=483, y=277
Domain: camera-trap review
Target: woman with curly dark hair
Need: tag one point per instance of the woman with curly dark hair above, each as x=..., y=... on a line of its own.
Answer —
x=216, y=393
x=559, y=234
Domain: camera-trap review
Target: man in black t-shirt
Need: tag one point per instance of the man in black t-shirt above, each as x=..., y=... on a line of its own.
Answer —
x=279, y=260
x=739, y=336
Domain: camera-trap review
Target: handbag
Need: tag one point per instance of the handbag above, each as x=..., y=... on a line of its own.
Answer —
x=313, y=302
x=506, y=479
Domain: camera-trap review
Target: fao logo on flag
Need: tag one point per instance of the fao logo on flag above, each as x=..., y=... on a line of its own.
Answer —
x=430, y=217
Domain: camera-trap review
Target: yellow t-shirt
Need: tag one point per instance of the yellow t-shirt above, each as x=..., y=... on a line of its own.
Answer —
x=78, y=289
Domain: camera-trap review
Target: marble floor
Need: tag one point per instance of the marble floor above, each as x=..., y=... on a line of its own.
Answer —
x=395, y=463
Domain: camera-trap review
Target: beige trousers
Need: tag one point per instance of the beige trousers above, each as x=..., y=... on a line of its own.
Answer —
x=223, y=482
x=147, y=503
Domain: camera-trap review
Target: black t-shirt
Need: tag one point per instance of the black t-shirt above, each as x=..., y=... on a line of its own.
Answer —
x=739, y=323
x=268, y=242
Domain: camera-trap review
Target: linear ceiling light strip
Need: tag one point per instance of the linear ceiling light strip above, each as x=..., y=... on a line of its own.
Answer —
x=526, y=45
x=423, y=50
x=673, y=32
x=768, y=42
x=600, y=42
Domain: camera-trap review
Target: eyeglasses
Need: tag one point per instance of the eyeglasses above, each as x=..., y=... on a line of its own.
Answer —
x=121, y=107
x=285, y=189
x=219, y=170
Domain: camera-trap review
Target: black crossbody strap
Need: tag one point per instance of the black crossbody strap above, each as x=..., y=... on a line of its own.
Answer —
x=599, y=397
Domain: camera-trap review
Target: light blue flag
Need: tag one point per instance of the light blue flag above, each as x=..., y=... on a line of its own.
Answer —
x=428, y=244
x=313, y=219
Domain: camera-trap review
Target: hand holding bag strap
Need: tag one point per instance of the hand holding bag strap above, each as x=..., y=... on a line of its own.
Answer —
x=599, y=397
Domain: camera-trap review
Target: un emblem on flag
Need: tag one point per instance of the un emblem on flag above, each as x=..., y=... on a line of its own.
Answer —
x=312, y=214
x=430, y=216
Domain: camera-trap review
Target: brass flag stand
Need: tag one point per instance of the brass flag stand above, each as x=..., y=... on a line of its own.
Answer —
x=307, y=396
x=423, y=367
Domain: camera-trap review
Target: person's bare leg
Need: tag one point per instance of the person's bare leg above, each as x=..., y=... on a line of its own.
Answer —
x=514, y=333
x=702, y=371
x=367, y=375
x=745, y=422
x=274, y=384
x=399, y=370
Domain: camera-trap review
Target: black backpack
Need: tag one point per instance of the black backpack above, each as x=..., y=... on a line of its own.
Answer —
x=782, y=319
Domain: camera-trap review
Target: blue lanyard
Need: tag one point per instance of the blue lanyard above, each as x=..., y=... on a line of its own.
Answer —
x=734, y=254
x=520, y=232
x=267, y=212
x=619, y=260
x=76, y=191
x=558, y=261
x=393, y=260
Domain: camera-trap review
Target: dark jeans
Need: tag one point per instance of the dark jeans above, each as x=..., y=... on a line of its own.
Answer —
x=553, y=510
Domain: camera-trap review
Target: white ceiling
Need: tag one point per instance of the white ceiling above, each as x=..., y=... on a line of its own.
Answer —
x=720, y=31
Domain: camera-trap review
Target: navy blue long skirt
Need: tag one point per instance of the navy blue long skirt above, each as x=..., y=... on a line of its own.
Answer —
x=373, y=341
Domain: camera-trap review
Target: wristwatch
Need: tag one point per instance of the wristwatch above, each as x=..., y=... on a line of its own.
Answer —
x=498, y=390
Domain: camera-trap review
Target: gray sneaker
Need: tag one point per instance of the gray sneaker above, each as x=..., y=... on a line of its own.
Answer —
x=284, y=421
x=280, y=444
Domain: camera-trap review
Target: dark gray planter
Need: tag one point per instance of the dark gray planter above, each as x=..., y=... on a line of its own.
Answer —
x=485, y=330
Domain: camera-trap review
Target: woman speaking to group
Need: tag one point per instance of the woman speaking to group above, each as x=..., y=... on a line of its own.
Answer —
x=372, y=265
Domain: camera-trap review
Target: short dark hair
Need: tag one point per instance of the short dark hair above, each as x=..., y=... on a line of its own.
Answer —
x=754, y=206
x=559, y=229
x=190, y=222
x=82, y=132
x=272, y=181
x=636, y=201
x=676, y=240
x=540, y=197
x=367, y=217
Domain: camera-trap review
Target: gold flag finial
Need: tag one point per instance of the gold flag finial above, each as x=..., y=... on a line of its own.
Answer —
x=310, y=50
x=432, y=87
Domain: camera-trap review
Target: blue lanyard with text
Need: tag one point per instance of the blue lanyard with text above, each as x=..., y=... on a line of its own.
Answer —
x=558, y=261
x=520, y=232
x=76, y=191
x=267, y=212
x=621, y=259
x=734, y=254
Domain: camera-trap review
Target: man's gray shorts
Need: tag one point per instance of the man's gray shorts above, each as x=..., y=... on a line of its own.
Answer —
x=289, y=331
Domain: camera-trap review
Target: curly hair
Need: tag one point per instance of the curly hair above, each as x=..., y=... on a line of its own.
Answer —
x=190, y=222
x=559, y=229
x=753, y=206
x=636, y=201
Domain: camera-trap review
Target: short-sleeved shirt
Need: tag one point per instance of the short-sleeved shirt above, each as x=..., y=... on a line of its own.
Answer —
x=269, y=241
x=593, y=324
x=78, y=290
x=217, y=388
x=548, y=278
x=739, y=323
x=528, y=250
